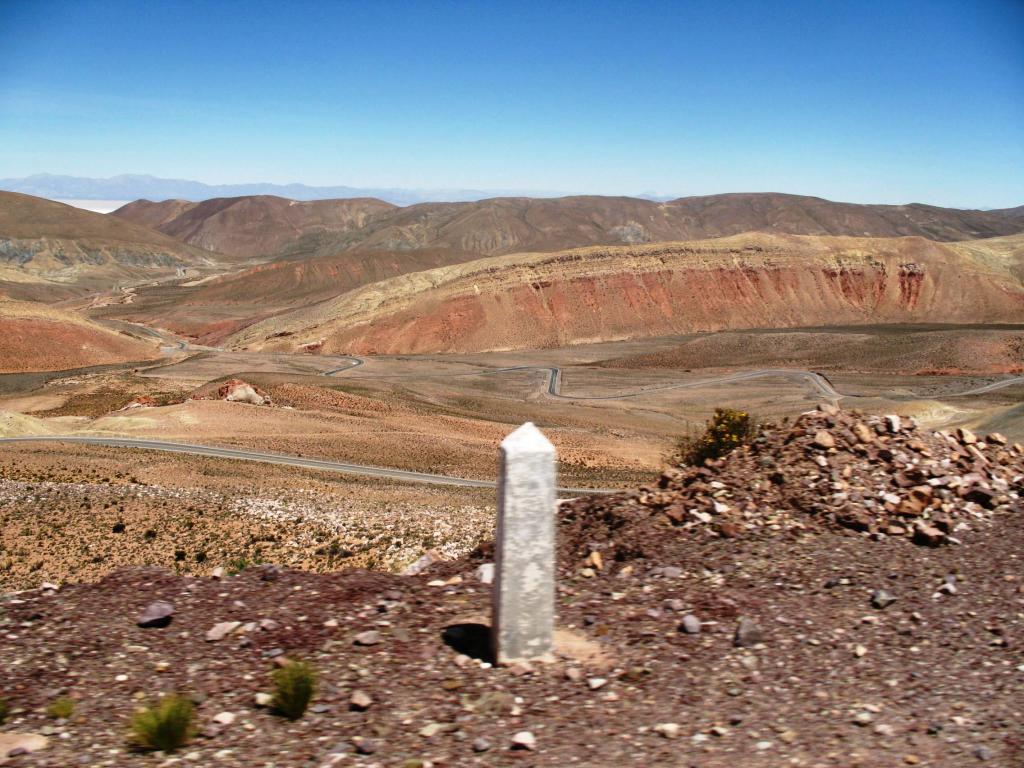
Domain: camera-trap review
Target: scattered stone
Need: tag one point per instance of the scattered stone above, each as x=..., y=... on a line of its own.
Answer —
x=14, y=743
x=928, y=535
x=481, y=745
x=224, y=718
x=690, y=625
x=983, y=753
x=485, y=573
x=894, y=423
x=360, y=701
x=524, y=740
x=217, y=573
x=432, y=729
x=422, y=563
x=597, y=682
x=158, y=614
x=263, y=699
x=370, y=637
x=862, y=433
x=748, y=633
x=667, y=730
x=966, y=437
x=221, y=630
x=367, y=746
x=269, y=572
x=824, y=439
x=881, y=599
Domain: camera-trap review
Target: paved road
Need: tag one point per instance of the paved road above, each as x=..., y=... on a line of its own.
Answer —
x=554, y=376
x=276, y=458
x=989, y=387
x=817, y=381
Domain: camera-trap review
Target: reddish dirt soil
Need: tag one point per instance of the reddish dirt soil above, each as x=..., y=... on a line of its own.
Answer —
x=836, y=674
x=36, y=344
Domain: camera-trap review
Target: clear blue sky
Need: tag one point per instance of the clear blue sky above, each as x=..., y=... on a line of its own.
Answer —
x=862, y=101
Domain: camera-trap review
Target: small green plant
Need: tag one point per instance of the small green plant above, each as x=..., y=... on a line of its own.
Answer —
x=61, y=709
x=165, y=726
x=4, y=709
x=726, y=430
x=293, y=688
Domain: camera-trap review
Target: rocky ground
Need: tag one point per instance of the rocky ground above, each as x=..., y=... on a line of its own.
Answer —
x=78, y=513
x=710, y=621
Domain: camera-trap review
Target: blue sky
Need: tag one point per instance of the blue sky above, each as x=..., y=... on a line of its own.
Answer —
x=862, y=101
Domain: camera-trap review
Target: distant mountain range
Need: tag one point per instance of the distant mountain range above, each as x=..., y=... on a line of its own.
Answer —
x=135, y=187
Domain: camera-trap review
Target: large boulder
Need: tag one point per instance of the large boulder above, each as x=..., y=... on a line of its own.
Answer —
x=238, y=391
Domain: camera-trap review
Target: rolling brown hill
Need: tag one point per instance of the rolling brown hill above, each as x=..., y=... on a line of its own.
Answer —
x=256, y=227
x=604, y=293
x=37, y=338
x=47, y=248
x=270, y=226
x=211, y=309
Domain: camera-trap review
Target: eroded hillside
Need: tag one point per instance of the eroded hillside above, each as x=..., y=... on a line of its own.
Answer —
x=603, y=293
x=38, y=338
x=44, y=243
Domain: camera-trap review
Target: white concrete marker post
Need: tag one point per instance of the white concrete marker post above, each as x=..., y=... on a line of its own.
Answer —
x=523, y=605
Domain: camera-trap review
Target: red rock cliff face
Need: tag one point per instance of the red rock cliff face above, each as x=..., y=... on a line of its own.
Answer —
x=676, y=301
x=758, y=281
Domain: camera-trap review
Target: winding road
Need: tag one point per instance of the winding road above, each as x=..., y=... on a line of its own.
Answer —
x=282, y=459
x=818, y=382
x=554, y=376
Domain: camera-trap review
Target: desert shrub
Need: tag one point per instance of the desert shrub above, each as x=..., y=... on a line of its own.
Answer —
x=4, y=709
x=293, y=689
x=726, y=430
x=164, y=726
x=61, y=709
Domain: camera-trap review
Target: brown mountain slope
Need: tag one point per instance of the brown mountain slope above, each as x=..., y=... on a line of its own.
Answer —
x=273, y=226
x=602, y=293
x=213, y=308
x=43, y=241
x=256, y=226
x=35, y=338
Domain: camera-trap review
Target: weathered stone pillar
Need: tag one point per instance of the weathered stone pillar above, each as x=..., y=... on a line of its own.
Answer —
x=523, y=609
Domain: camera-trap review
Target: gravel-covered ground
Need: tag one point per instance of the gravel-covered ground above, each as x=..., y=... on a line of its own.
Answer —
x=817, y=645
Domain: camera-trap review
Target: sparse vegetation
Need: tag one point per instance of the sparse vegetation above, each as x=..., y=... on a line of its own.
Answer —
x=293, y=688
x=61, y=709
x=726, y=430
x=165, y=726
x=4, y=709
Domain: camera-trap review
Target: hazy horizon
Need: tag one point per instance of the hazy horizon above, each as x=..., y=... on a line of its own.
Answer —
x=105, y=201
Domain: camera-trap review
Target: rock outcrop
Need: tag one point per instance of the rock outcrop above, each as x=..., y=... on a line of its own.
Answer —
x=600, y=294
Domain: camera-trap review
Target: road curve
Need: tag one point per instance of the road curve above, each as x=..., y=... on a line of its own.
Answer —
x=554, y=375
x=990, y=387
x=817, y=381
x=282, y=459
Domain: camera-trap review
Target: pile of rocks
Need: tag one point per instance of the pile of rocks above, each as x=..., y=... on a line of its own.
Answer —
x=883, y=476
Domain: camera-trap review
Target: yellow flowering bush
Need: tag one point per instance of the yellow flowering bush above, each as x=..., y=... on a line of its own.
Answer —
x=726, y=430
